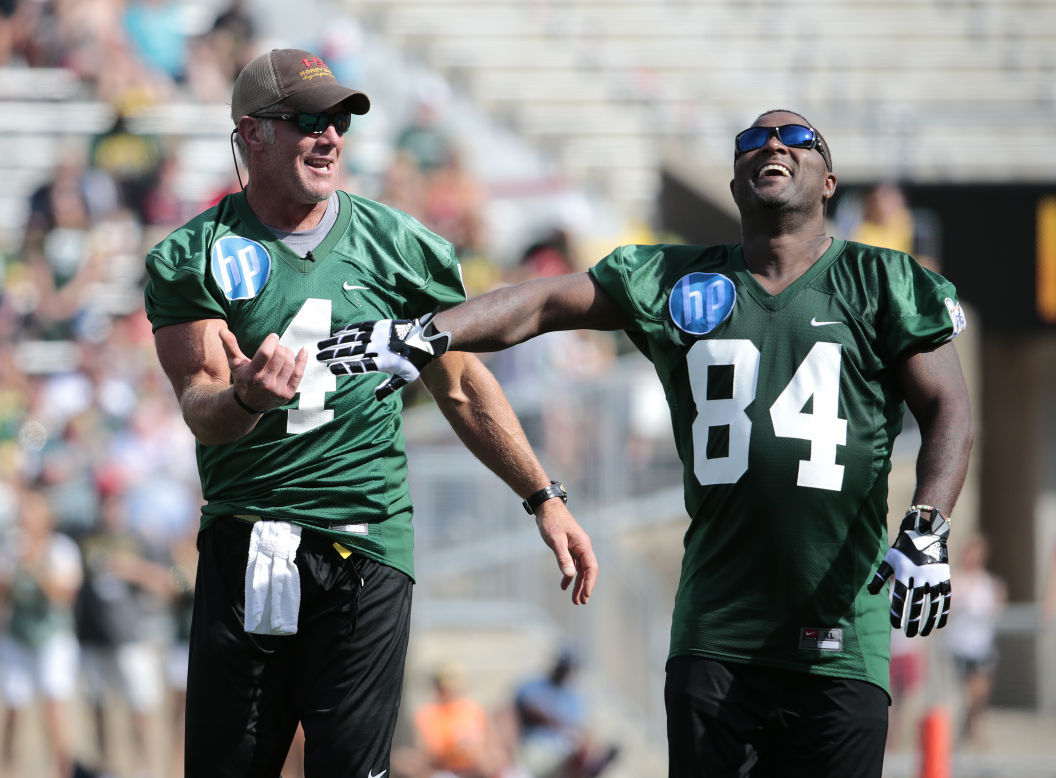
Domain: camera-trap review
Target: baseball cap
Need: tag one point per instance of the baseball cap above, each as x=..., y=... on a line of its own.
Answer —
x=296, y=78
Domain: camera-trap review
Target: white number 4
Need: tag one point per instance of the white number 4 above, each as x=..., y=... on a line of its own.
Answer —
x=817, y=377
x=310, y=325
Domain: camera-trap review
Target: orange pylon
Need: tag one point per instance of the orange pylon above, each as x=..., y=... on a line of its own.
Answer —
x=936, y=744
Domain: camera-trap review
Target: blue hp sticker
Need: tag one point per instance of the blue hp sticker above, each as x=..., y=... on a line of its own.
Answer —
x=700, y=302
x=240, y=266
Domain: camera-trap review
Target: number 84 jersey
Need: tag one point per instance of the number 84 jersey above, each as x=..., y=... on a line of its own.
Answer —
x=784, y=408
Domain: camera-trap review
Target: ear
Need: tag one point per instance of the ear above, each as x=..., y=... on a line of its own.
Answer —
x=249, y=130
x=830, y=186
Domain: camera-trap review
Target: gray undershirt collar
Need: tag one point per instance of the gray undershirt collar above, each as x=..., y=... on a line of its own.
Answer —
x=300, y=243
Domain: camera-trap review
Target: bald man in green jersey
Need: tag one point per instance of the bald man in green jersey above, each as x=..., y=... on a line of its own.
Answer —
x=785, y=360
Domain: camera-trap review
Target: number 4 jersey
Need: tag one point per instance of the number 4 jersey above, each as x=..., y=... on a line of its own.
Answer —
x=784, y=408
x=333, y=457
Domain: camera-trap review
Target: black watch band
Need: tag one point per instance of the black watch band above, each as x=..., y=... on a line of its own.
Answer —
x=534, y=500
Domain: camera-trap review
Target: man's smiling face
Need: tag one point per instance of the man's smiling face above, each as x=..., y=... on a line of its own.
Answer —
x=299, y=166
x=776, y=176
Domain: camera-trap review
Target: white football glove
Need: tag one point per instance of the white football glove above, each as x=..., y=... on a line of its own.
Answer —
x=401, y=347
x=920, y=563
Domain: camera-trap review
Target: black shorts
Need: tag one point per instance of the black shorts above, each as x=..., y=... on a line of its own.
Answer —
x=726, y=719
x=341, y=675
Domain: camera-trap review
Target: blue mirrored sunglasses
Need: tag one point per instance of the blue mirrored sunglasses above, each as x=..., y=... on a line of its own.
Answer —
x=795, y=136
x=312, y=123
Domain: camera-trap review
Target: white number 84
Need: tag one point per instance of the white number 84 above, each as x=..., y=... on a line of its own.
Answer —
x=818, y=376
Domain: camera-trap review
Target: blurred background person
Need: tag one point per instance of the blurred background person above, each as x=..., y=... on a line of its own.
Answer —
x=881, y=216
x=40, y=572
x=184, y=553
x=118, y=607
x=908, y=674
x=554, y=740
x=454, y=736
x=971, y=635
x=59, y=243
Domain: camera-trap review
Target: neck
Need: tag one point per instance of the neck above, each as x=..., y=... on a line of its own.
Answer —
x=777, y=258
x=284, y=215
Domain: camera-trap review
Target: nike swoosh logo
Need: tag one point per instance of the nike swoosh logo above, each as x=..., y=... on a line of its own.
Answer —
x=815, y=323
x=371, y=773
x=348, y=288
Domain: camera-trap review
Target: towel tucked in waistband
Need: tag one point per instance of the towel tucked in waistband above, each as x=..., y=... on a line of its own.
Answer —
x=273, y=585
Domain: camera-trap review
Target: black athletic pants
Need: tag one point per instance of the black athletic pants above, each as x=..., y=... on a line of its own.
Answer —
x=730, y=720
x=341, y=675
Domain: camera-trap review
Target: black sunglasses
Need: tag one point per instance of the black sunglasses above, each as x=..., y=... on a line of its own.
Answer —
x=795, y=136
x=312, y=123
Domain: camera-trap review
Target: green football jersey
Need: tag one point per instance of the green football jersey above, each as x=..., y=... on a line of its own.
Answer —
x=784, y=409
x=334, y=457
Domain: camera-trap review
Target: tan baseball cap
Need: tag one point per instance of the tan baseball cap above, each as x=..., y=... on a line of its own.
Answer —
x=296, y=78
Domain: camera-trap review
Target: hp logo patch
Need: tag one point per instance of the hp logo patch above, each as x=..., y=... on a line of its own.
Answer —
x=240, y=266
x=700, y=302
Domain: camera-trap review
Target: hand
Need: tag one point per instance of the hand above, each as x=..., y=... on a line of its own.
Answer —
x=401, y=347
x=271, y=378
x=572, y=549
x=921, y=567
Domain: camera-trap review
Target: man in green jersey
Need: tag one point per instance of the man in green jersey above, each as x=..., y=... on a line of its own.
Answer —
x=785, y=360
x=305, y=551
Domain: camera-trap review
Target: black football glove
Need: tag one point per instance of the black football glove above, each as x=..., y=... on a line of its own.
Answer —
x=920, y=600
x=401, y=347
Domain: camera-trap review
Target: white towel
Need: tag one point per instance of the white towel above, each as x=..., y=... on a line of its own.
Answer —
x=273, y=586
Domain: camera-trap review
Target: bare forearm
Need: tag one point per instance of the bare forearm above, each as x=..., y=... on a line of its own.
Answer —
x=513, y=314
x=477, y=411
x=206, y=366
x=212, y=414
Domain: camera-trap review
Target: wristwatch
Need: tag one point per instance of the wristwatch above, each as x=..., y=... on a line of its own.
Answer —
x=534, y=500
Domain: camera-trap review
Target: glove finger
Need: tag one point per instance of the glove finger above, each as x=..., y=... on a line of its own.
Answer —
x=330, y=354
x=898, y=604
x=389, y=387
x=358, y=327
x=883, y=572
x=354, y=367
x=915, y=597
x=947, y=601
x=350, y=351
x=935, y=602
x=343, y=336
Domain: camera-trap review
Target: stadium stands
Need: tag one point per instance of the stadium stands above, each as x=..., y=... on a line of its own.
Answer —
x=609, y=92
x=939, y=90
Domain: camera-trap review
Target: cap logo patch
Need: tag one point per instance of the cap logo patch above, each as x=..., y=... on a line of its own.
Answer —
x=700, y=302
x=240, y=267
x=314, y=68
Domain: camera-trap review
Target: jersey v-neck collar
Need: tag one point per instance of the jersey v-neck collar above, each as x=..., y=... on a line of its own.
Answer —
x=775, y=302
x=257, y=231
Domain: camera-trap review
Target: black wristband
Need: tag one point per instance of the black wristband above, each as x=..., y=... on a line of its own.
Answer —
x=241, y=403
x=534, y=500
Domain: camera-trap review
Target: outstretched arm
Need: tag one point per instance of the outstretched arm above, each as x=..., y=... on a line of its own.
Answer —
x=491, y=322
x=513, y=314
x=473, y=403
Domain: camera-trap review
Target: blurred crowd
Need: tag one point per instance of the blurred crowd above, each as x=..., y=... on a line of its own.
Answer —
x=542, y=730
x=99, y=494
